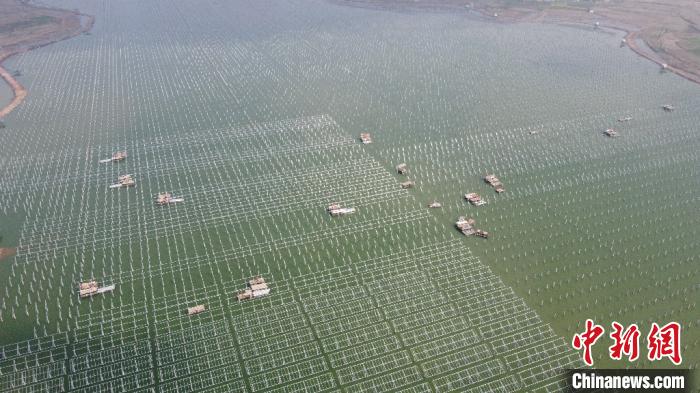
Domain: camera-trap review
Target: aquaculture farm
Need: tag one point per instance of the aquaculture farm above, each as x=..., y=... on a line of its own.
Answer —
x=240, y=125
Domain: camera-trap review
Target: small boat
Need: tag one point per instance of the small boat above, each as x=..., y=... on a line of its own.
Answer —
x=611, y=133
x=166, y=199
x=90, y=288
x=116, y=157
x=124, y=181
x=435, y=205
x=196, y=309
x=402, y=169
x=668, y=108
x=336, y=210
x=408, y=184
x=366, y=138
x=624, y=119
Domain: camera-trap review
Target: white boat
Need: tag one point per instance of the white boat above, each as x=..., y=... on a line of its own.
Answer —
x=342, y=211
x=124, y=181
x=108, y=288
x=167, y=199
x=116, y=157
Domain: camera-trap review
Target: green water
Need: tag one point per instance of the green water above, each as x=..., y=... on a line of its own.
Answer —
x=251, y=113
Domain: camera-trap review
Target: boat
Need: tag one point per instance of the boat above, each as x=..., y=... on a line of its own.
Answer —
x=482, y=234
x=366, y=138
x=166, y=198
x=257, y=287
x=668, y=108
x=124, y=181
x=402, y=169
x=435, y=205
x=336, y=210
x=474, y=199
x=116, y=157
x=624, y=119
x=495, y=182
x=90, y=288
x=465, y=226
x=611, y=133
x=200, y=308
x=408, y=184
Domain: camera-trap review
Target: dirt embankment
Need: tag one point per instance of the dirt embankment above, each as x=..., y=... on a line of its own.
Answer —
x=24, y=27
x=670, y=28
x=7, y=252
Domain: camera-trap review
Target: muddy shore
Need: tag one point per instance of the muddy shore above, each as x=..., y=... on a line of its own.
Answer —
x=24, y=27
x=669, y=29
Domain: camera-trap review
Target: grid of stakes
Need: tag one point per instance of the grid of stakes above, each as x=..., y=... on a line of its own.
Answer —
x=603, y=228
x=413, y=319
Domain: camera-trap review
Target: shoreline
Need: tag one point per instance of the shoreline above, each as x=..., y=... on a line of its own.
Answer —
x=566, y=18
x=20, y=92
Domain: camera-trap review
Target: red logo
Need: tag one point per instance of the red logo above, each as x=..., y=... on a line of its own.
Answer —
x=665, y=342
x=626, y=342
x=662, y=342
x=586, y=340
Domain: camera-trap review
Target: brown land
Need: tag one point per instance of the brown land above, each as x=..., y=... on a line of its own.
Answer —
x=7, y=252
x=669, y=28
x=24, y=27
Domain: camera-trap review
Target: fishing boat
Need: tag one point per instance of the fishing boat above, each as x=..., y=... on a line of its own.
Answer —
x=256, y=288
x=402, y=169
x=435, y=205
x=336, y=210
x=611, y=133
x=200, y=308
x=668, y=108
x=408, y=184
x=495, y=182
x=124, y=181
x=166, y=198
x=474, y=199
x=116, y=157
x=90, y=288
x=366, y=138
